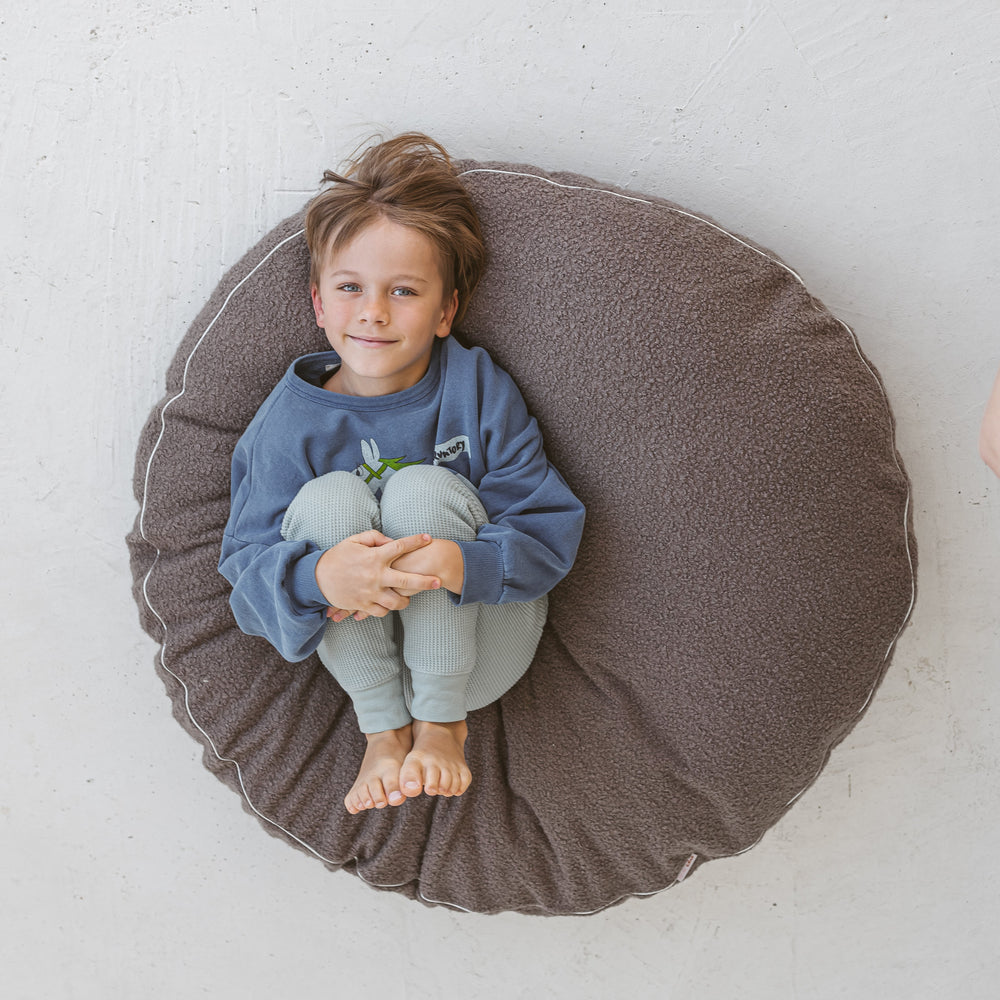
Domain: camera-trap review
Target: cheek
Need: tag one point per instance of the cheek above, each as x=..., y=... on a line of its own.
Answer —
x=331, y=314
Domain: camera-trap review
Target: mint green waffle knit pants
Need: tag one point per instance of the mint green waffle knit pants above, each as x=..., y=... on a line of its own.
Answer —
x=435, y=660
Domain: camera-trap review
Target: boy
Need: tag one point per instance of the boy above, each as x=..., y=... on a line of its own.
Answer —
x=392, y=506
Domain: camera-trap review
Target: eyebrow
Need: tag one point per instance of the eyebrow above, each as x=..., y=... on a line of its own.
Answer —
x=412, y=279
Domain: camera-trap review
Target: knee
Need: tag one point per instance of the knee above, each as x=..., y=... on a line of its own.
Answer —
x=330, y=508
x=417, y=481
x=417, y=498
x=418, y=484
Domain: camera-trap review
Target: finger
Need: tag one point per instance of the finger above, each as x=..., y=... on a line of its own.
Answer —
x=384, y=602
x=414, y=583
x=409, y=544
x=371, y=538
x=389, y=600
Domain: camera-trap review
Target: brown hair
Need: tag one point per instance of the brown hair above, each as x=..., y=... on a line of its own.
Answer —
x=408, y=180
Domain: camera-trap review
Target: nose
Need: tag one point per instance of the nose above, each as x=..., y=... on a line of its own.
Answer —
x=374, y=310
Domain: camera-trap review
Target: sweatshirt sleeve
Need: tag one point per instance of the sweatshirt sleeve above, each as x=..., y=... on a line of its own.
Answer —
x=275, y=594
x=535, y=521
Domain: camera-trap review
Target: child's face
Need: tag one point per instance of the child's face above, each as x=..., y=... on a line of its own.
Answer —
x=381, y=302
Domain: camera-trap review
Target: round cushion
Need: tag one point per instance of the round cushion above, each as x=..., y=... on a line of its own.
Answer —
x=747, y=566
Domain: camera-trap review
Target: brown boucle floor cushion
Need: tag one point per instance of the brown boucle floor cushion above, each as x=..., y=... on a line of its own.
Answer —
x=747, y=566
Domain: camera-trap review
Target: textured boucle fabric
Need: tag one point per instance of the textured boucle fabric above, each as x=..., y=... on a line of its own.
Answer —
x=747, y=566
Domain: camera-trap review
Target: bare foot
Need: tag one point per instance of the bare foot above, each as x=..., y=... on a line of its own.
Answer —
x=436, y=764
x=377, y=783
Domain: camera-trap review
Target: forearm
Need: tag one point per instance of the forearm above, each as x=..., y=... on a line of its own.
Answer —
x=523, y=557
x=289, y=616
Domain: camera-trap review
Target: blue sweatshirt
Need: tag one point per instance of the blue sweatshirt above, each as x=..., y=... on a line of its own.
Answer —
x=465, y=414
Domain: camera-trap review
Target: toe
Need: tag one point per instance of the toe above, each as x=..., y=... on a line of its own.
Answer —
x=379, y=800
x=392, y=793
x=446, y=783
x=355, y=801
x=432, y=780
x=410, y=778
x=458, y=782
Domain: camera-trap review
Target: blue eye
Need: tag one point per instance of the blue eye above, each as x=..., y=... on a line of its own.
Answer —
x=349, y=286
x=403, y=291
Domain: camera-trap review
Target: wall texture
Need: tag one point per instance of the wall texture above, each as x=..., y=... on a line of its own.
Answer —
x=146, y=146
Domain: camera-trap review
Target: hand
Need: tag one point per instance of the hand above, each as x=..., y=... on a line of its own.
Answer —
x=357, y=576
x=441, y=559
x=989, y=433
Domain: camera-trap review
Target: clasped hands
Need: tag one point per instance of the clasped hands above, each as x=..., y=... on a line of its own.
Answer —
x=372, y=574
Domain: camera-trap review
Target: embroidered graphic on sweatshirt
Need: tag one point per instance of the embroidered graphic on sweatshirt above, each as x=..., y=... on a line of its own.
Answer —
x=375, y=470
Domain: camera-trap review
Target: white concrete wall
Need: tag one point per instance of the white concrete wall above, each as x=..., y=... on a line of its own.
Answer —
x=145, y=146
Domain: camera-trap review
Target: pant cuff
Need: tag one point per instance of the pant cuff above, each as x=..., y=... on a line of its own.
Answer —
x=438, y=697
x=382, y=707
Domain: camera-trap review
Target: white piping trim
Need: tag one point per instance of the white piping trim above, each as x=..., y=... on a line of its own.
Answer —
x=857, y=348
x=142, y=531
x=572, y=187
x=187, y=365
x=640, y=201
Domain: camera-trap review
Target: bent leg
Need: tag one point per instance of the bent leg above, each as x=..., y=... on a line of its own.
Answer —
x=439, y=636
x=507, y=637
x=363, y=656
x=439, y=647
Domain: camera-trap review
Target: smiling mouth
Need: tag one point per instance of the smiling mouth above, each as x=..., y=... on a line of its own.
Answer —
x=369, y=341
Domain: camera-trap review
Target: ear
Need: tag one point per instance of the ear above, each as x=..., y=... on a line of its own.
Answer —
x=448, y=310
x=317, y=302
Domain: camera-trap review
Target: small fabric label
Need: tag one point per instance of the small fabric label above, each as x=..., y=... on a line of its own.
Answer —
x=688, y=865
x=448, y=451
